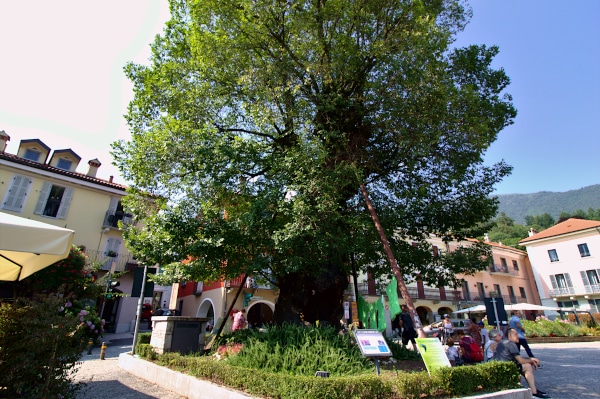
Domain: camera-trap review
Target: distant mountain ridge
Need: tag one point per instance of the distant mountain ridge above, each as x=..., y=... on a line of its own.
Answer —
x=517, y=206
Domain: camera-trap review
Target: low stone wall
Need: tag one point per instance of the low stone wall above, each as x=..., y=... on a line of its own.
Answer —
x=194, y=388
x=558, y=340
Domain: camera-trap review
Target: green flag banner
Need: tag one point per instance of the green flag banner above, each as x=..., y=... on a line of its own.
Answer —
x=392, y=294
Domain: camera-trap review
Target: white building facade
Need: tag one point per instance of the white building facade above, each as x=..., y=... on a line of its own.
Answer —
x=566, y=264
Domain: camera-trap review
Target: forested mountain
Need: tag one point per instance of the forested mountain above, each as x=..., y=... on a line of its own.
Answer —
x=517, y=206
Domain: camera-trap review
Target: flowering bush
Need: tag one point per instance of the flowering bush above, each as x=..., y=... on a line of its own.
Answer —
x=39, y=349
x=229, y=349
x=90, y=325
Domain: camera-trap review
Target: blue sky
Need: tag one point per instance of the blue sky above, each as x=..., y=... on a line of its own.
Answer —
x=62, y=80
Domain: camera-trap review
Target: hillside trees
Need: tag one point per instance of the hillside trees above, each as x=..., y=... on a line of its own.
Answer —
x=256, y=122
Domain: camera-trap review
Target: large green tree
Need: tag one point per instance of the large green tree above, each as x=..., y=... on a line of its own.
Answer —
x=257, y=121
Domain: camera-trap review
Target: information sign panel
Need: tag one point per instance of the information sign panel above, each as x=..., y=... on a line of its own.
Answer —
x=372, y=343
x=433, y=353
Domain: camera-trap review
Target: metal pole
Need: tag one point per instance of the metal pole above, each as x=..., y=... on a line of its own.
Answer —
x=139, y=310
x=496, y=313
x=105, y=293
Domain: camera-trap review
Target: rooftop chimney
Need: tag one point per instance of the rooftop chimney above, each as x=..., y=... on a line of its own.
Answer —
x=94, y=165
x=486, y=237
x=532, y=232
x=4, y=139
x=110, y=179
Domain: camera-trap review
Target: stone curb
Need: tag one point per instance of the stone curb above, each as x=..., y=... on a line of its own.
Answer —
x=194, y=388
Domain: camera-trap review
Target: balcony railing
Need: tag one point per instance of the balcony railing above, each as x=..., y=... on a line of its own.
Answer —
x=499, y=269
x=112, y=219
x=562, y=291
x=121, y=261
x=592, y=289
x=426, y=293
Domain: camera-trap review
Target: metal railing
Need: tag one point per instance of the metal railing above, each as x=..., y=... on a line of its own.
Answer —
x=562, y=291
x=112, y=219
x=500, y=269
x=105, y=261
x=433, y=294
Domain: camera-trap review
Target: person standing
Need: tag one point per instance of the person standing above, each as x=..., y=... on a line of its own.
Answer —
x=507, y=351
x=448, y=325
x=475, y=332
x=515, y=323
x=485, y=336
x=239, y=320
x=408, y=328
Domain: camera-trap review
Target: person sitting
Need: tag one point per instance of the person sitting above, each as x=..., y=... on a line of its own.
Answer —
x=452, y=353
x=490, y=345
x=507, y=351
x=472, y=352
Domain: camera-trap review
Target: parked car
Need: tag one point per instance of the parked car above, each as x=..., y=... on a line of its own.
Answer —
x=146, y=311
x=166, y=312
x=433, y=329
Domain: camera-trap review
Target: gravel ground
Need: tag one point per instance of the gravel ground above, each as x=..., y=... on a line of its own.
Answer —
x=104, y=379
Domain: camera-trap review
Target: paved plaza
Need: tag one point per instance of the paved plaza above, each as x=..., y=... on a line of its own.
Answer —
x=570, y=371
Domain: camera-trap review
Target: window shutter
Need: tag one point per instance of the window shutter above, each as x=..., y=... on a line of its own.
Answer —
x=597, y=277
x=112, y=207
x=44, y=193
x=17, y=193
x=568, y=278
x=65, y=203
x=584, y=278
x=553, y=281
x=112, y=244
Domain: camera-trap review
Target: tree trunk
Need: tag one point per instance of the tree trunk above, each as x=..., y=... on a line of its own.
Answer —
x=393, y=263
x=311, y=297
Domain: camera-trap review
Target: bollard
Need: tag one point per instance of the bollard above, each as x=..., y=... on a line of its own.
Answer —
x=90, y=345
x=102, y=350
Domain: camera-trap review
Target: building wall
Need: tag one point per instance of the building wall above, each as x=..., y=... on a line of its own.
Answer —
x=86, y=213
x=569, y=262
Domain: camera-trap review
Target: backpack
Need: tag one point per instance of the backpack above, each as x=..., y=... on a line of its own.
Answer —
x=473, y=351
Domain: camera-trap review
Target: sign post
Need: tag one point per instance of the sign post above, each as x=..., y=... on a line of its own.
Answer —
x=372, y=344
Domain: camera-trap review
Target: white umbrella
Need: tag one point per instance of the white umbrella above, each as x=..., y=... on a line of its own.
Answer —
x=472, y=309
x=27, y=246
x=529, y=306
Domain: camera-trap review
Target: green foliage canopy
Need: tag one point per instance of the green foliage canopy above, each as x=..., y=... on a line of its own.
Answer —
x=256, y=121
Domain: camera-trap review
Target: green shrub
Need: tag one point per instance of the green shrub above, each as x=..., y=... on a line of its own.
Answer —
x=542, y=327
x=486, y=377
x=40, y=345
x=294, y=350
x=281, y=363
x=400, y=352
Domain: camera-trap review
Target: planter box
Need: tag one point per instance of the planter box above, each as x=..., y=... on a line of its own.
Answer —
x=556, y=340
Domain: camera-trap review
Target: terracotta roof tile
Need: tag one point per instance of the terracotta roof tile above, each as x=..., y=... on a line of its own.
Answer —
x=76, y=175
x=568, y=226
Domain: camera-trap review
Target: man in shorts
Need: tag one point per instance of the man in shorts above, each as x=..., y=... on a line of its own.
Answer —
x=507, y=351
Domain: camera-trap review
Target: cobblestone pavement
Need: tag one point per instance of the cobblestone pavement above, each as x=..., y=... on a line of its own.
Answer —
x=569, y=370
x=104, y=379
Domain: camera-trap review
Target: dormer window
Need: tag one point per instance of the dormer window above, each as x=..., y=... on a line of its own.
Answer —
x=32, y=155
x=64, y=164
